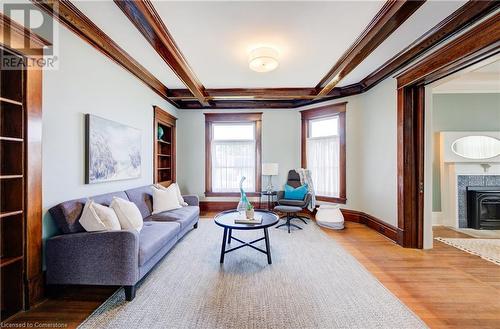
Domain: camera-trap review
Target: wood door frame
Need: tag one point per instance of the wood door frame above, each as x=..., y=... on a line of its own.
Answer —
x=479, y=43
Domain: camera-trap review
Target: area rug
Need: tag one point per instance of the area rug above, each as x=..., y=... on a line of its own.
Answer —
x=312, y=283
x=488, y=249
x=481, y=234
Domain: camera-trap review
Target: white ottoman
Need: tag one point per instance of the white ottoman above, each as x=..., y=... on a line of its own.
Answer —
x=330, y=216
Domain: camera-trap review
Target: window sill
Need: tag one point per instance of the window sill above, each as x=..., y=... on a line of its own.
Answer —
x=331, y=199
x=230, y=194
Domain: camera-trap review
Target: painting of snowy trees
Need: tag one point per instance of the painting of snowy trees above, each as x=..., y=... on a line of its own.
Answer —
x=113, y=150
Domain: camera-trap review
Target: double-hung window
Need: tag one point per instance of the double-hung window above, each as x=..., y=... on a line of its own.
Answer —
x=233, y=152
x=323, y=153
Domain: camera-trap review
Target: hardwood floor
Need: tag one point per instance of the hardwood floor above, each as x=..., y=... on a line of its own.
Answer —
x=445, y=287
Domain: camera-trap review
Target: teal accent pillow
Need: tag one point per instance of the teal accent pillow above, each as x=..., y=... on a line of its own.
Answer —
x=295, y=193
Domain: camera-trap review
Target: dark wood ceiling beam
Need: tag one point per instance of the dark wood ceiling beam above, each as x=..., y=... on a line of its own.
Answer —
x=462, y=18
x=145, y=18
x=248, y=93
x=477, y=44
x=389, y=18
x=81, y=25
x=243, y=104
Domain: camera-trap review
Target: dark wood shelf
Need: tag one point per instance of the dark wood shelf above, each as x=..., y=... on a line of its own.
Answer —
x=10, y=176
x=10, y=213
x=14, y=89
x=10, y=101
x=11, y=139
x=164, y=147
x=163, y=142
x=4, y=261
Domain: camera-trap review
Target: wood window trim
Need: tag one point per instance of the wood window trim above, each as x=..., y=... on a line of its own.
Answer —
x=210, y=119
x=323, y=112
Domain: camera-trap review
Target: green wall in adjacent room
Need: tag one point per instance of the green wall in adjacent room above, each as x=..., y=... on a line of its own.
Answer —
x=460, y=112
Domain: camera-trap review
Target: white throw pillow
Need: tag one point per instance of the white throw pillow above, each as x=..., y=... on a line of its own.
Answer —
x=165, y=199
x=128, y=214
x=96, y=217
x=177, y=190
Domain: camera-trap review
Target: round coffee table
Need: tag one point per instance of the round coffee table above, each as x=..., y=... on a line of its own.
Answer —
x=226, y=218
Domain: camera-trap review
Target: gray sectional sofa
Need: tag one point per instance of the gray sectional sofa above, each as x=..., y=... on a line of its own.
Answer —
x=118, y=258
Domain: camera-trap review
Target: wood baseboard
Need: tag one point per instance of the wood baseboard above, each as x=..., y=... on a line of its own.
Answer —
x=374, y=223
x=208, y=206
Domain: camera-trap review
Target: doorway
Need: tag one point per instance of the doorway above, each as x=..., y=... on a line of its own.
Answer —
x=479, y=43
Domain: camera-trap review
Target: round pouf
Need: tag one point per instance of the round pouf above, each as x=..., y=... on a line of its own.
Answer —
x=330, y=216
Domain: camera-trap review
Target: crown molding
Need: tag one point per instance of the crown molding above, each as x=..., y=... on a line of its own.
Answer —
x=462, y=18
x=388, y=19
x=144, y=17
x=82, y=26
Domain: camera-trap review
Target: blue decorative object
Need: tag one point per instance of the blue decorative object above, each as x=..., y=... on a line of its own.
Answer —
x=243, y=204
x=160, y=132
x=296, y=193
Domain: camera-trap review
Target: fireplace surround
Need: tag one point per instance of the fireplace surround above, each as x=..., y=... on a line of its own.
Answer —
x=483, y=207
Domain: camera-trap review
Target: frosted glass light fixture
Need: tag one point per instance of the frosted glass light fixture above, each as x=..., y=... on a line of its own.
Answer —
x=476, y=147
x=263, y=59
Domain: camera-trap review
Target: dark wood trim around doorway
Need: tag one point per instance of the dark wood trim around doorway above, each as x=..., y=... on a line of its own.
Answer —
x=479, y=43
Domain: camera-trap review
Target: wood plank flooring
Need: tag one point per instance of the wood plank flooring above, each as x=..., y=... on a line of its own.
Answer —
x=445, y=287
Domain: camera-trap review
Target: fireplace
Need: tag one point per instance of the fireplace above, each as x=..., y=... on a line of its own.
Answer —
x=483, y=207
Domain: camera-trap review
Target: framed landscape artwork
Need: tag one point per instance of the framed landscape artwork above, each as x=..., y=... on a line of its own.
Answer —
x=112, y=150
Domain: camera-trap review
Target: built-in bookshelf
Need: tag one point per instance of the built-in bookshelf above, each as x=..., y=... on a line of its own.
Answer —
x=12, y=180
x=164, y=147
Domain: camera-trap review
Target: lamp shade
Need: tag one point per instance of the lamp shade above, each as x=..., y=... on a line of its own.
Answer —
x=270, y=169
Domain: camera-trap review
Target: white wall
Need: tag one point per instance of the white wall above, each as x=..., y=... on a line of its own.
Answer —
x=89, y=82
x=280, y=144
x=378, y=152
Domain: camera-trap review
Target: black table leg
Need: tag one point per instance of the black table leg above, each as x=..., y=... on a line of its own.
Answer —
x=230, y=235
x=223, y=249
x=268, y=247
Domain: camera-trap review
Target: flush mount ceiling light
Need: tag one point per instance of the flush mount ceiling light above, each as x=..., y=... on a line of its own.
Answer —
x=263, y=59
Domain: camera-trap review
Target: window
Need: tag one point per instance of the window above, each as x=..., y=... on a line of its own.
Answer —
x=232, y=151
x=323, y=150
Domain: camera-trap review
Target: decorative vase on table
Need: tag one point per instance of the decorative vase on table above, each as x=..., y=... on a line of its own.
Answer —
x=243, y=203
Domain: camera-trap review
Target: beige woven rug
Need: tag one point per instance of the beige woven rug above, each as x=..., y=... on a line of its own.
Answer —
x=488, y=249
x=312, y=283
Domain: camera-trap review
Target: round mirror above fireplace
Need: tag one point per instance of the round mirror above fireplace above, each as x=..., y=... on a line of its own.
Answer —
x=476, y=147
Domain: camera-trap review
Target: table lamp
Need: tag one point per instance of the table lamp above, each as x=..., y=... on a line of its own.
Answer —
x=270, y=169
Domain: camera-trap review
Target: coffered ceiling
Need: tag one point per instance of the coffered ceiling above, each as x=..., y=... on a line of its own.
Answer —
x=195, y=53
x=309, y=36
x=424, y=19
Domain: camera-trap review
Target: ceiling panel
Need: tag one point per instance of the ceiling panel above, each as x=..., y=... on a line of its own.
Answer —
x=215, y=38
x=481, y=78
x=425, y=18
x=109, y=18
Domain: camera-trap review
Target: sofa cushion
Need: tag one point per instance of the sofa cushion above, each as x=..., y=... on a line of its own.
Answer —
x=185, y=216
x=67, y=214
x=153, y=236
x=143, y=199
